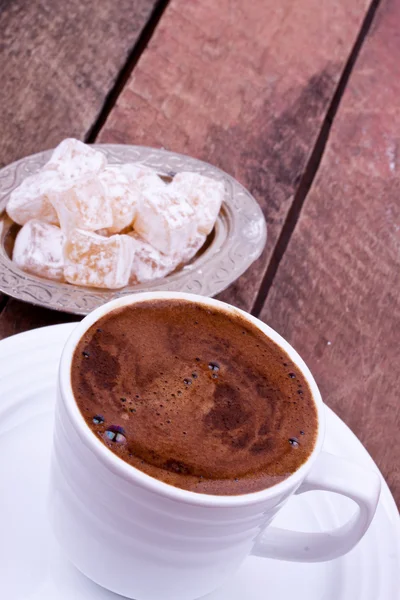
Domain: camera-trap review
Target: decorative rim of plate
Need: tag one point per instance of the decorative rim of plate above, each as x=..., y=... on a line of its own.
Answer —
x=237, y=241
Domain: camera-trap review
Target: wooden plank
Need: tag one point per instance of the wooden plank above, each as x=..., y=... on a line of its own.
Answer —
x=336, y=293
x=17, y=317
x=243, y=85
x=58, y=62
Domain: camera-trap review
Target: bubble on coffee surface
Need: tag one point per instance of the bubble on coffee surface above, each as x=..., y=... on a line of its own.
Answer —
x=98, y=419
x=294, y=442
x=213, y=366
x=187, y=381
x=85, y=354
x=116, y=434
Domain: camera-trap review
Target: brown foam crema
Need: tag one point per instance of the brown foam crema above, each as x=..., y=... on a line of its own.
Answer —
x=194, y=397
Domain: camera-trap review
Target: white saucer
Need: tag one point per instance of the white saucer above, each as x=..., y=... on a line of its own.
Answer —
x=32, y=566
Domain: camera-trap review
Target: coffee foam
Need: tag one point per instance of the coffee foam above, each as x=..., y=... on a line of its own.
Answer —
x=194, y=397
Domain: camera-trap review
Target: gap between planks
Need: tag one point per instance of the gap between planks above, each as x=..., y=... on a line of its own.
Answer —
x=312, y=165
x=126, y=70
x=123, y=76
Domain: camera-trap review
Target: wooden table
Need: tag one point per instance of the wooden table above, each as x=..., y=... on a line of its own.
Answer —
x=299, y=100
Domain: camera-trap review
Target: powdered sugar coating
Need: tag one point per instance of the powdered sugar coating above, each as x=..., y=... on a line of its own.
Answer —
x=176, y=217
x=136, y=172
x=148, y=263
x=78, y=190
x=70, y=161
x=38, y=249
x=93, y=260
x=166, y=220
x=84, y=205
x=30, y=200
x=193, y=246
x=205, y=196
x=123, y=195
x=73, y=159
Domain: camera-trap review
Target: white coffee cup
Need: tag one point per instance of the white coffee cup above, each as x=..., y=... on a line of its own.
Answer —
x=147, y=540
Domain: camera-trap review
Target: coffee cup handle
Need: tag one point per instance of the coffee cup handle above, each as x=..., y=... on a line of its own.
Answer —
x=332, y=474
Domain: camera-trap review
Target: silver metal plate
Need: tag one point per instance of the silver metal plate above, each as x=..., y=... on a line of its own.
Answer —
x=237, y=240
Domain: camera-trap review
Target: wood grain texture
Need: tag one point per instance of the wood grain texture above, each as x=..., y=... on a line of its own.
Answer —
x=17, y=317
x=336, y=293
x=243, y=85
x=58, y=61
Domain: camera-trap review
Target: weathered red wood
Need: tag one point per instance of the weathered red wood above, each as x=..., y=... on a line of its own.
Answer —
x=244, y=85
x=17, y=317
x=336, y=293
x=58, y=62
